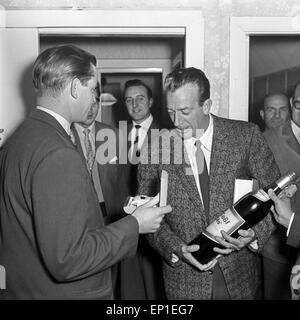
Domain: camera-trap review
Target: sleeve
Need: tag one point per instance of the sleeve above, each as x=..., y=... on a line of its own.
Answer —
x=72, y=239
x=294, y=234
x=264, y=169
x=164, y=240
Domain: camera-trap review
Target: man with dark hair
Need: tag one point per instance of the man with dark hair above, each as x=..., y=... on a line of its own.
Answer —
x=141, y=275
x=215, y=152
x=54, y=243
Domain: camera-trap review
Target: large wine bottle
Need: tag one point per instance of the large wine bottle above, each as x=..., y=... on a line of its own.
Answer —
x=244, y=214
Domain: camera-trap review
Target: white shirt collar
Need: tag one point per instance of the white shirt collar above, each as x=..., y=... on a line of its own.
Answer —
x=81, y=128
x=205, y=139
x=60, y=119
x=145, y=125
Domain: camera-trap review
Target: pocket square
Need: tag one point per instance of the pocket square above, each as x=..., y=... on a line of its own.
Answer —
x=114, y=159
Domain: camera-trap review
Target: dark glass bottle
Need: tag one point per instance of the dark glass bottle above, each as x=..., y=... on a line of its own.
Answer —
x=244, y=214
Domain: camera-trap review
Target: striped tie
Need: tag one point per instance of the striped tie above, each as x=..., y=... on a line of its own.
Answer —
x=90, y=156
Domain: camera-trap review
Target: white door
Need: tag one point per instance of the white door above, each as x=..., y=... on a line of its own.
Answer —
x=18, y=50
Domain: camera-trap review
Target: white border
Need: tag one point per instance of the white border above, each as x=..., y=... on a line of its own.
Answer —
x=240, y=30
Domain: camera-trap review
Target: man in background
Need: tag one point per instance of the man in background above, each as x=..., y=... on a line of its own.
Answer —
x=54, y=243
x=290, y=220
x=278, y=257
x=275, y=110
x=140, y=276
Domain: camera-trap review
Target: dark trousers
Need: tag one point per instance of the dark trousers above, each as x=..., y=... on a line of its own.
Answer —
x=219, y=291
x=276, y=280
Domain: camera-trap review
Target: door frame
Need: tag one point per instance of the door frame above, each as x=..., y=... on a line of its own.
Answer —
x=188, y=23
x=240, y=31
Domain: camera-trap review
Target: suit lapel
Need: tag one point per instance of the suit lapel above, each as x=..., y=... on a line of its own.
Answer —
x=219, y=164
x=289, y=137
x=78, y=143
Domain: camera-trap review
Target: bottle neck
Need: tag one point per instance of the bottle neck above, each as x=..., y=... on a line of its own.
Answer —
x=274, y=186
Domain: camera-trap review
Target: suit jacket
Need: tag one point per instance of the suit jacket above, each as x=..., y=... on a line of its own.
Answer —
x=53, y=243
x=110, y=173
x=238, y=151
x=131, y=169
x=140, y=276
x=286, y=151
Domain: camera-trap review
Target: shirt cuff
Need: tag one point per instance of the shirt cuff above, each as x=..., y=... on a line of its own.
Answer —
x=253, y=246
x=174, y=258
x=290, y=224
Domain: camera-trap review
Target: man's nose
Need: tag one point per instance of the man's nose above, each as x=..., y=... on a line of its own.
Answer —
x=176, y=119
x=277, y=113
x=134, y=103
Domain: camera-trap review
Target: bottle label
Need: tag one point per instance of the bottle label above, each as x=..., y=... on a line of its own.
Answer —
x=261, y=195
x=229, y=222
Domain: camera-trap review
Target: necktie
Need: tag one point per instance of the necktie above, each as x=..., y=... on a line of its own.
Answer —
x=136, y=151
x=90, y=156
x=203, y=177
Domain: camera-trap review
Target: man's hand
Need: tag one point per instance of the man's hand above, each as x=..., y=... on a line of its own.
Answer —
x=186, y=251
x=148, y=217
x=233, y=244
x=282, y=211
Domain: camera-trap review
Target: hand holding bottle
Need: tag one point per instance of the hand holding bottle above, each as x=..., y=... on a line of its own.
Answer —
x=282, y=211
x=235, y=244
x=186, y=251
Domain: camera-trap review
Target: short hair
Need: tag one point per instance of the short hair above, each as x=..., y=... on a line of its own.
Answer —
x=135, y=83
x=55, y=67
x=180, y=77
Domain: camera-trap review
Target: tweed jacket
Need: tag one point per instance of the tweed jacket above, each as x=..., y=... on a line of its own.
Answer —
x=238, y=151
x=53, y=243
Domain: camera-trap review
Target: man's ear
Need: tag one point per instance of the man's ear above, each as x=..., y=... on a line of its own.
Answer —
x=262, y=114
x=207, y=106
x=151, y=102
x=74, y=88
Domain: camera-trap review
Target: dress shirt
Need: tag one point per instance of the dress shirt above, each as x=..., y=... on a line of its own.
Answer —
x=60, y=119
x=206, y=146
x=143, y=130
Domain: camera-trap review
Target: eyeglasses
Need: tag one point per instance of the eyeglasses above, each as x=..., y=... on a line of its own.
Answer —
x=296, y=104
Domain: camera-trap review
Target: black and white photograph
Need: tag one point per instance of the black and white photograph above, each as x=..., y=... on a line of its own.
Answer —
x=150, y=153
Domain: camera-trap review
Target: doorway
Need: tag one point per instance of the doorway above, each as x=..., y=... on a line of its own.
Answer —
x=119, y=59
x=273, y=68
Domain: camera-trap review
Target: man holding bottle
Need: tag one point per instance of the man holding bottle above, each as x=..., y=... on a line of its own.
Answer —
x=230, y=150
x=291, y=221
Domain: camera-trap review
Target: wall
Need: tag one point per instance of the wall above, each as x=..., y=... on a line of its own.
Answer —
x=217, y=15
